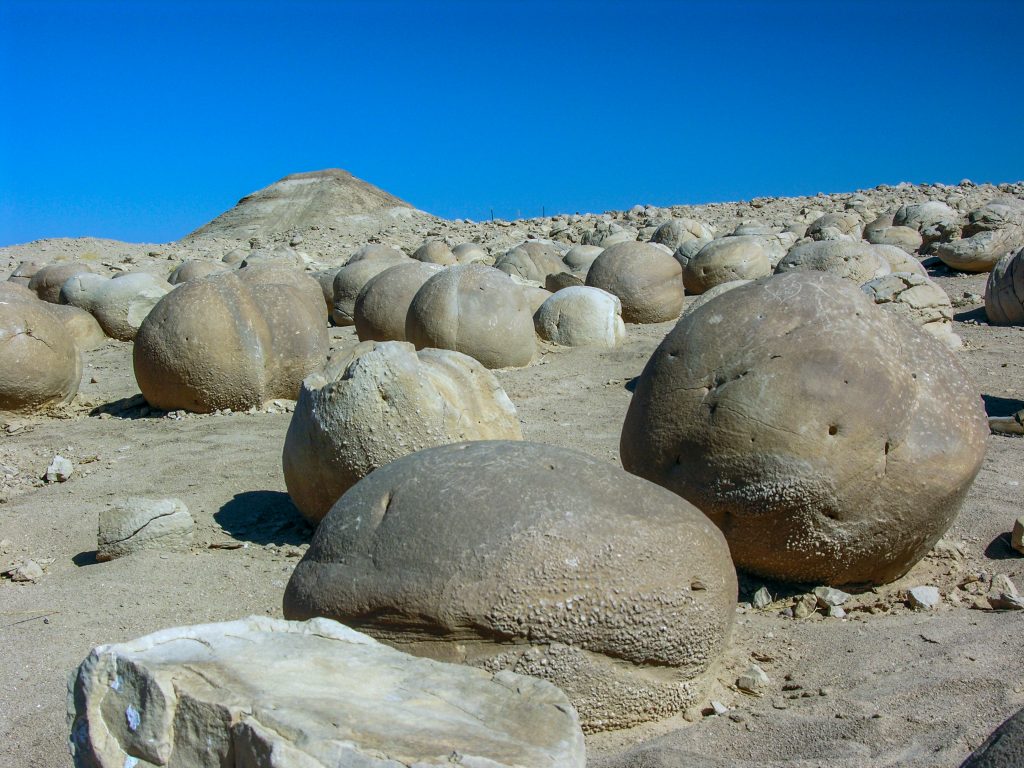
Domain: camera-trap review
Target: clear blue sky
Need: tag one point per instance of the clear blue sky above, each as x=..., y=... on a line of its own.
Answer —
x=143, y=120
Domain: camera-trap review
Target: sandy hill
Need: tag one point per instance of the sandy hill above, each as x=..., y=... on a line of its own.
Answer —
x=298, y=202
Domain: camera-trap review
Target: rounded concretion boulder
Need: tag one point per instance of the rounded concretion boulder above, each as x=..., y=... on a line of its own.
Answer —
x=47, y=282
x=832, y=442
x=381, y=402
x=881, y=231
x=981, y=251
x=581, y=316
x=532, y=558
x=848, y=224
x=580, y=257
x=435, y=252
x=899, y=260
x=232, y=341
x=471, y=253
x=375, y=251
x=193, y=269
x=82, y=326
x=24, y=272
x=351, y=278
x=725, y=260
x=858, y=262
x=532, y=260
x=1004, y=292
x=648, y=282
x=477, y=310
x=678, y=231
x=119, y=304
x=383, y=303
x=40, y=364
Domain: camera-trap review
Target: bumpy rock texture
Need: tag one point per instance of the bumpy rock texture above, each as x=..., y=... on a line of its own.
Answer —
x=380, y=402
x=831, y=441
x=1004, y=292
x=858, y=262
x=541, y=560
x=647, y=281
x=138, y=524
x=40, y=364
x=277, y=694
x=919, y=300
x=231, y=341
x=476, y=310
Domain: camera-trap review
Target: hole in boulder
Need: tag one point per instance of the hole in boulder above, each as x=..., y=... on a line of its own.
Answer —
x=833, y=430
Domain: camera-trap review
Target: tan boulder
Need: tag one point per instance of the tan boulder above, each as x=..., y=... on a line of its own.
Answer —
x=192, y=269
x=647, y=281
x=382, y=304
x=435, y=252
x=119, y=304
x=1004, y=292
x=725, y=260
x=234, y=340
x=580, y=316
x=378, y=403
x=47, y=282
x=535, y=559
x=477, y=310
x=533, y=260
x=917, y=299
x=831, y=441
x=858, y=262
x=351, y=278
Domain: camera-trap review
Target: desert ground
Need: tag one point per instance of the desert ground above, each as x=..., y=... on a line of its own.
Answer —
x=887, y=685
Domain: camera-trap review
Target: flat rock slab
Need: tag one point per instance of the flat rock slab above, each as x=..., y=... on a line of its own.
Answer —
x=282, y=694
x=138, y=523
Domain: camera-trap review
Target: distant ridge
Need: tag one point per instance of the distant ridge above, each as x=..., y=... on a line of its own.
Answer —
x=300, y=201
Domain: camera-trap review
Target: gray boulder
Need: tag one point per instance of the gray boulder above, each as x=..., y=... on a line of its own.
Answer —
x=137, y=524
x=119, y=304
x=531, y=558
x=1004, y=291
x=858, y=262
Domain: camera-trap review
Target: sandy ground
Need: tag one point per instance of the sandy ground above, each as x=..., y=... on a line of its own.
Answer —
x=887, y=686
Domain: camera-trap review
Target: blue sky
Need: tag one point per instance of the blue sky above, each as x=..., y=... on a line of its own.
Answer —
x=143, y=120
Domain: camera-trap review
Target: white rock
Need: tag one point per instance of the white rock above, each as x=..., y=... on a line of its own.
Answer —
x=281, y=694
x=28, y=572
x=60, y=470
x=139, y=523
x=924, y=598
x=1017, y=535
x=828, y=596
x=762, y=598
x=754, y=680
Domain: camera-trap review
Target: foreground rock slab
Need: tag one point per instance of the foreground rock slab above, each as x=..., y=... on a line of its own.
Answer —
x=279, y=694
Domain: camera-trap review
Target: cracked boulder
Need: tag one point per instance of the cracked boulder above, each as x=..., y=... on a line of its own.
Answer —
x=508, y=555
x=40, y=365
x=378, y=403
x=279, y=694
x=919, y=300
x=831, y=441
x=137, y=524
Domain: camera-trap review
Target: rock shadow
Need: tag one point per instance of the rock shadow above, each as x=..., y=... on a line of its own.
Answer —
x=264, y=517
x=83, y=559
x=1002, y=406
x=977, y=315
x=631, y=384
x=134, y=407
x=999, y=548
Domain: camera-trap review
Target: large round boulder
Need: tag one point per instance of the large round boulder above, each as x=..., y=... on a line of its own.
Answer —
x=831, y=441
x=378, y=403
x=233, y=340
x=477, y=310
x=351, y=278
x=648, y=282
x=383, y=303
x=532, y=558
x=24, y=272
x=375, y=251
x=579, y=258
x=1004, y=292
x=933, y=219
x=471, y=253
x=533, y=260
x=675, y=232
x=580, y=316
x=82, y=326
x=848, y=224
x=119, y=304
x=858, y=262
x=725, y=260
x=47, y=282
x=899, y=260
x=40, y=364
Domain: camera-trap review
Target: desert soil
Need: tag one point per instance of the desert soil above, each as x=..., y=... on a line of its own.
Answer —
x=885, y=686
